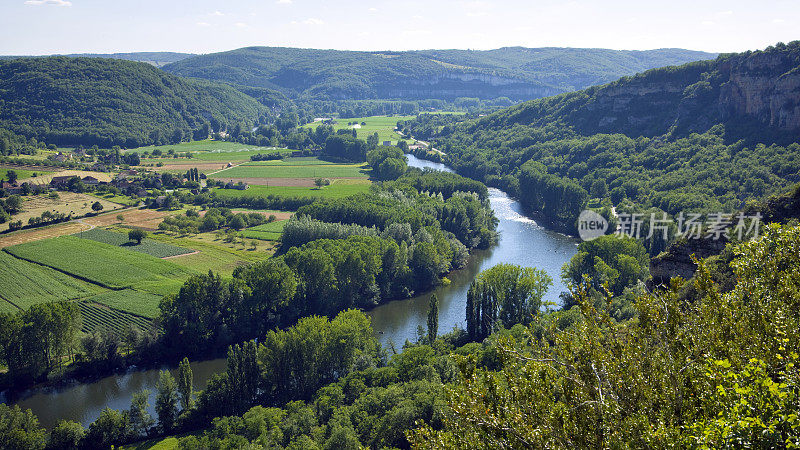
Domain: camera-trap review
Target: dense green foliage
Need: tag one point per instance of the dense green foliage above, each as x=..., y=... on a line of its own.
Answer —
x=33, y=341
x=19, y=430
x=303, y=229
x=107, y=102
x=615, y=262
x=388, y=163
x=430, y=74
x=463, y=214
x=680, y=153
x=717, y=372
x=504, y=296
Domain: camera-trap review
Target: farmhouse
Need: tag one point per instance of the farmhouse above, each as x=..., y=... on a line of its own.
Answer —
x=61, y=157
x=91, y=181
x=61, y=181
x=10, y=189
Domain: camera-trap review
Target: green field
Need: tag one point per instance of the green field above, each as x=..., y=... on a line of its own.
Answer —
x=121, y=199
x=24, y=284
x=22, y=174
x=383, y=125
x=293, y=161
x=213, y=254
x=267, y=232
x=293, y=171
x=104, y=264
x=148, y=246
x=209, y=150
x=95, y=317
x=140, y=303
x=337, y=189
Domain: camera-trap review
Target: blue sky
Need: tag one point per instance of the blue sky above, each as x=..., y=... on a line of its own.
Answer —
x=36, y=27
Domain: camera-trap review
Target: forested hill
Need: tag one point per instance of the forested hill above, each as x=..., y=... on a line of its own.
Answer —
x=515, y=72
x=703, y=137
x=66, y=101
x=157, y=59
x=756, y=93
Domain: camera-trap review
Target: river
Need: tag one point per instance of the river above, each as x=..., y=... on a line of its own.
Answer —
x=522, y=242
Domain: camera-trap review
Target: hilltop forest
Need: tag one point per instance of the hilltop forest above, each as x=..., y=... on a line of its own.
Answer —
x=105, y=102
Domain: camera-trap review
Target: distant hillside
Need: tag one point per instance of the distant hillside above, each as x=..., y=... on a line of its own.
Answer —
x=110, y=101
x=516, y=72
x=705, y=137
x=157, y=59
x=756, y=93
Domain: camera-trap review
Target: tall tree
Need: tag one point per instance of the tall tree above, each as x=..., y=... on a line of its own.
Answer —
x=141, y=420
x=166, y=401
x=433, y=318
x=185, y=384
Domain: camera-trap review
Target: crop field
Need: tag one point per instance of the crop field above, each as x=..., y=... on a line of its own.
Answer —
x=209, y=150
x=147, y=219
x=383, y=125
x=267, y=232
x=66, y=203
x=292, y=161
x=120, y=199
x=129, y=300
x=104, y=264
x=36, y=234
x=96, y=316
x=6, y=307
x=288, y=170
x=337, y=189
x=23, y=174
x=148, y=246
x=24, y=284
x=215, y=254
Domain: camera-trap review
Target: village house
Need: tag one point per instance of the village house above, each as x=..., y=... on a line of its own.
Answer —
x=90, y=181
x=61, y=157
x=61, y=181
x=10, y=189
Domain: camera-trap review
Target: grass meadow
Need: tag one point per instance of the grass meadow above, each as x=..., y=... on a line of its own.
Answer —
x=337, y=189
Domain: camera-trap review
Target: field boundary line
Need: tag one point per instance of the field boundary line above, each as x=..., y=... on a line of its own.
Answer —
x=183, y=254
x=79, y=277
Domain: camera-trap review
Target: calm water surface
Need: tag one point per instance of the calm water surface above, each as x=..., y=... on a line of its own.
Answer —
x=522, y=242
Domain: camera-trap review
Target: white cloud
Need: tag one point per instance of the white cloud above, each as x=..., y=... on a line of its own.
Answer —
x=725, y=13
x=49, y=2
x=373, y=10
x=284, y=2
x=313, y=21
x=708, y=23
x=203, y=24
x=218, y=13
x=778, y=21
x=241, y=25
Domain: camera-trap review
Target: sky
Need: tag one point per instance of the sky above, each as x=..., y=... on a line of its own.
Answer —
x=39, y=27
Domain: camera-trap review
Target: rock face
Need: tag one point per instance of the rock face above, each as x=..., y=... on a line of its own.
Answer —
x=764, y=86
x=752, y=93
x=676, y=261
